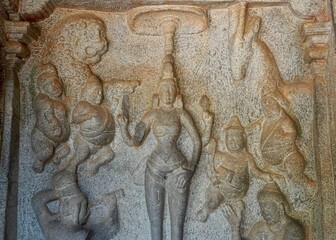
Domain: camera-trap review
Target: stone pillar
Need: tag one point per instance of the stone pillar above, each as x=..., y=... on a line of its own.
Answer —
x=18, y=35
x=318, y=40
x=103, y=45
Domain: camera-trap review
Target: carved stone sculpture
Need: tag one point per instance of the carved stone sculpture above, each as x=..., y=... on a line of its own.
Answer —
x=82, y=81
x=246, y=46
x=255, y=68
x=230, y=175
x=95, y=134
x=104, y=217
x=79, y=41
x=72, y=213
x=52, y=128
x=281, y=156
x=276, y=225
x=250, y=59
x=168, y=171
x=208, y=120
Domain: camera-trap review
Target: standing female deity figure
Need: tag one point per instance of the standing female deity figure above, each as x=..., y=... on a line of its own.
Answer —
x=168, y=170
x=52, y=128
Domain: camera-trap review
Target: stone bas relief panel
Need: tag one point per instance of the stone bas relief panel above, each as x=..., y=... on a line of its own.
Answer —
x=168, y=122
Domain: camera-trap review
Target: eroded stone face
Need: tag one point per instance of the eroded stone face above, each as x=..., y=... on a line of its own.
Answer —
x=175, y=121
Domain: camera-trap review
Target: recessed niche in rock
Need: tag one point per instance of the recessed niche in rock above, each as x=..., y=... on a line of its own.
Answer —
x=175, y=120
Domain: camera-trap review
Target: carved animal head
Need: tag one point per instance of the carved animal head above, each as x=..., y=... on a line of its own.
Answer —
x=253, y=24
x=80, y=36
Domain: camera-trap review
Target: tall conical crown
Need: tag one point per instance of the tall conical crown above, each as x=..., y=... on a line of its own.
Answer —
x=167, y=68
x=271, y=192
x=234, y=123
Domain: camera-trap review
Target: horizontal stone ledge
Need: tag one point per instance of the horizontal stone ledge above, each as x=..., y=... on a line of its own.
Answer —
x=35, y=12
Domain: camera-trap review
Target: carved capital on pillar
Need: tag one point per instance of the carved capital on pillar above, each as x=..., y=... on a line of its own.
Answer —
x=21, y=31
x=32, y=10
x=3, y=16
x=18, y=35
x=317, y=40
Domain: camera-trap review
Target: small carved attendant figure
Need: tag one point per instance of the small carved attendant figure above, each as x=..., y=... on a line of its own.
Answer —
x=230, y=178
x=96, y=133
x=280, y=154
x=277, y=225
x=52, y=127
x=168, y=170
x=72, y=214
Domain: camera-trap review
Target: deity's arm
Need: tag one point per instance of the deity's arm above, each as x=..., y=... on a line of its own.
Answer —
x=83, y=212
x=289, y=129
x=123, y=123
x=256, y=172
x=189, y=125
x=142, y=129
x=212, y=153
x=208, y=121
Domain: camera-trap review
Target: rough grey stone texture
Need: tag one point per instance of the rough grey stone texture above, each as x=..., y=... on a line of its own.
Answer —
x=132, y=65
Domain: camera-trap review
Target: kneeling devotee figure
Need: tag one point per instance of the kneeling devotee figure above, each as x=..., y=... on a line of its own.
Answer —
x=276, y=225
